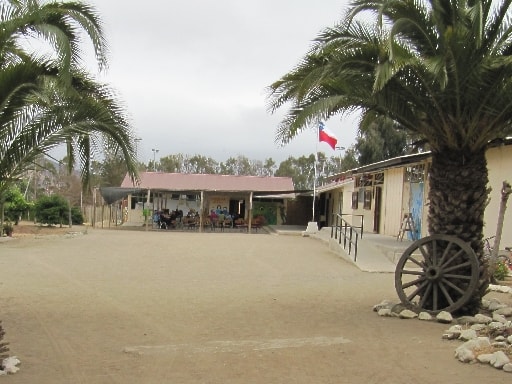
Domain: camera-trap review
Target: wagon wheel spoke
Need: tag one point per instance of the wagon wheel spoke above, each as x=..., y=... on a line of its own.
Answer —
x=433, y=255
x=453, y=286
x=446, y=253
x=435, y=295
x=426, y=257
x=458, y=266
x=417, y=291
x=407, y=272
x=414, y=282
x=452, y=258
x=418, y=263
x=445, y=293
x=426, y=294
x=461, y=277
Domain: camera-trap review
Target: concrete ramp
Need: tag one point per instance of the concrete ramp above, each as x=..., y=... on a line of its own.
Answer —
x=375, y=253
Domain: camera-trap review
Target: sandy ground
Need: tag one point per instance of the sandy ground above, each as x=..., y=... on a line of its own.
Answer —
x=114, y=306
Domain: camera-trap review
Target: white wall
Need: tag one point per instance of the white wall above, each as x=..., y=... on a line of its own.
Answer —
x=392, y=201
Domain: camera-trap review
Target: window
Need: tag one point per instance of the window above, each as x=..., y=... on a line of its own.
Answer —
x=378, y=178
x=366, y=180
x=138, y=198
x=361, y=195
x=367, y=200
x=355, y=198
x=415, y=173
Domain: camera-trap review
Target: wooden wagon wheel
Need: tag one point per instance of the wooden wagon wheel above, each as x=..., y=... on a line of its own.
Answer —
x=437, y=273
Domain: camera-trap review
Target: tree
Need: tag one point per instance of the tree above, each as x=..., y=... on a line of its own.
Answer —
x=200, y=164
x=381, y=139
x=440, y=69
x=171, y=163
x=111, y=170
x=15, y=204
x=269, y=167
x=349, y=160
x=239, y=166
x=301, y=171
x=50, y=100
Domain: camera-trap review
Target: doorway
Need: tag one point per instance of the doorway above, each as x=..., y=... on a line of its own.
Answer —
x=377, y=207
x=237, y=208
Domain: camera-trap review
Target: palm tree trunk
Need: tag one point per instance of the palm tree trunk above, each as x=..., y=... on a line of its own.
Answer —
x=458, y=196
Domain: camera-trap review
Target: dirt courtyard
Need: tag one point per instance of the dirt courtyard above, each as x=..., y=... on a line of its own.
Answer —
x=113, y=306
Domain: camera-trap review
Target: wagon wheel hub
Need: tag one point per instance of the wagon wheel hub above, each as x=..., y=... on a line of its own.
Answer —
x=433, y=273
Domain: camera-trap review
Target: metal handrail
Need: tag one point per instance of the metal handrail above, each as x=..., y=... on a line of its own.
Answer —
x=355, y=226
x=348, y=232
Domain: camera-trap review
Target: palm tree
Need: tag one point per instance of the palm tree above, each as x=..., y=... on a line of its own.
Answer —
x=84, y=116
x=441, y=69
x=60, y=24
x=48, y=100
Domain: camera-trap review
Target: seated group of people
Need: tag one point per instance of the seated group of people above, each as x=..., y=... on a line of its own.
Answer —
x=218, y=218
x=221, y=218
x=175, y=219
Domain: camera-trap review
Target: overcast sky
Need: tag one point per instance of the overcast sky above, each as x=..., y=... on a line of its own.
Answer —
x=193, y=74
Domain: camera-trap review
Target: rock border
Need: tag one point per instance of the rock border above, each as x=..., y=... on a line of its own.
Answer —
x=486, y=337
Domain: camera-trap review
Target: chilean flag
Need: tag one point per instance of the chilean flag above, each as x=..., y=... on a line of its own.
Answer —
x=326, y=136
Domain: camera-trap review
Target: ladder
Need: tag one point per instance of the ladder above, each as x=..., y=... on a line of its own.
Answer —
x=406, y=226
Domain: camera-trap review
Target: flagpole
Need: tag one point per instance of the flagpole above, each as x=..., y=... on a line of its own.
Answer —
x=312, y=225
x=315, y=175
x=322, y=134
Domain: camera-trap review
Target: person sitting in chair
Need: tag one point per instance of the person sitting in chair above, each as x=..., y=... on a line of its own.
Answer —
x=221, y=219
x=214, y=218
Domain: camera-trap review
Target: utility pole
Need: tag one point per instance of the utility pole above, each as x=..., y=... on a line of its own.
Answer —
x=340, y=149
x=155, y=151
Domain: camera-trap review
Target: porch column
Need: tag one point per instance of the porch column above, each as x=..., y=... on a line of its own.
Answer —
x=201, y=212
x=250, y=213
x=145, y=210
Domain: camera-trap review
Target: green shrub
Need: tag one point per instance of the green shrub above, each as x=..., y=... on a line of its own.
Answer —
x=52, y=210
x=77, y=218
x=501, y=271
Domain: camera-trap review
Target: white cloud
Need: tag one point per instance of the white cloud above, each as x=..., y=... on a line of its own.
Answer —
x=193, y=74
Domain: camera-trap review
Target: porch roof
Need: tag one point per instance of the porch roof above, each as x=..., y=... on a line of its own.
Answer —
x=334, y=185
x=181, y=182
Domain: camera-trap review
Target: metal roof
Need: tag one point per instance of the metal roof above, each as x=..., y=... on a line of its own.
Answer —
x=394, y=162
x=333, y=185
x=207, y=182
x=381, y=165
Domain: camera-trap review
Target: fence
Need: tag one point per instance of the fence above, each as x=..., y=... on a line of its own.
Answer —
x=102, y=216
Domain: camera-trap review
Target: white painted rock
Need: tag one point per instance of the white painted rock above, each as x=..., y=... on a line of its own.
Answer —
x=499, y=359
x=444, y=317
x=468, y=334
x=9, y=365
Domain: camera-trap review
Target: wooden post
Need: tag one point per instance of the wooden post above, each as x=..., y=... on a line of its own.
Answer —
x=94, y=208
x=505, y=192
x=201, y=213
x=249, y=219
